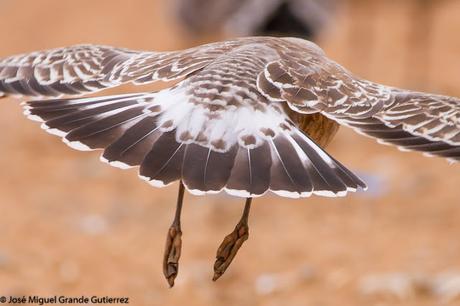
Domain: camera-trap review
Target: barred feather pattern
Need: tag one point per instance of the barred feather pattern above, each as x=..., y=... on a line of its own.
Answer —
x=86, y=68
x=339, y=96
x=316, y=84
x=225, y=125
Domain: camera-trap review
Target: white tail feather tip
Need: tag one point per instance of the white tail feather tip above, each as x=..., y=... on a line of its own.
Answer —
x=77, y=145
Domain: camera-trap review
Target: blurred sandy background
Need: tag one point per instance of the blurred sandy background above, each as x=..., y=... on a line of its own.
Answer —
x=71, y=225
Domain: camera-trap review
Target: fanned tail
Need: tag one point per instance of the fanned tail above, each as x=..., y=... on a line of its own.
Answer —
x=153, y=131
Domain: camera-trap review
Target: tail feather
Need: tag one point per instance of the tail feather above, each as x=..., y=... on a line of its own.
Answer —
x=53, y=109
x=250, y=175
x=348, y=178
x=101, y=133
x=207, y=171
x=131, y=148
x=288, y=173
x=335, y=179
x=194, y=170
x=71, y=121
x=218, y=168
x=163, y=163
x=135, y=130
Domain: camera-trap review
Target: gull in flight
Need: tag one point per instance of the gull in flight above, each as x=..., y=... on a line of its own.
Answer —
x=245, y=116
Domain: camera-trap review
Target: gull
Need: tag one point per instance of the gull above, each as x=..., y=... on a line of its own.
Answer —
x=245, y=116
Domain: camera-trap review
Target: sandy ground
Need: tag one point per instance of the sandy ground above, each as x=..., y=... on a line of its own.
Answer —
x=71, y=225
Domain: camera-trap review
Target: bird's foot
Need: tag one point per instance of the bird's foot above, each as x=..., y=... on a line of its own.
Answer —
x=172, y=254
x=229, y=247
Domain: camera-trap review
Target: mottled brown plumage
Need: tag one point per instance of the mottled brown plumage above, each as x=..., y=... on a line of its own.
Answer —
x=240, y=102
x=317, y=126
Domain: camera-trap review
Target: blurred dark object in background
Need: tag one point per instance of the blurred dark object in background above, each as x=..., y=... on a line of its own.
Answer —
x=301, y=18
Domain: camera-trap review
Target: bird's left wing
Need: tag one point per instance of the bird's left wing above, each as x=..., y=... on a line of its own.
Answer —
x=311, y=83
x=88, y=68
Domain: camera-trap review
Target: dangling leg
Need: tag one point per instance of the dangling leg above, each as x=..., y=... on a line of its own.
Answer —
x=232, y=243
x=174, y=242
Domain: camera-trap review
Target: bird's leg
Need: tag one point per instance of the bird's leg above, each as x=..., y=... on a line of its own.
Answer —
x=232, y=243
x=174, y=242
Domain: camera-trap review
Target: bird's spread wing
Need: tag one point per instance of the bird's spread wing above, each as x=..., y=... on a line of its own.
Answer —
x=88, y=68
x=213, y=130
x=223, y=126
x=411, y=120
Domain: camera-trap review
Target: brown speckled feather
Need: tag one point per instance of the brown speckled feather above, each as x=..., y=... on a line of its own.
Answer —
x=248, y=116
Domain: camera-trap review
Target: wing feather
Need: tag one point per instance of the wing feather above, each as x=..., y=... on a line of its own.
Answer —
x=88, y=68
x=310, y=83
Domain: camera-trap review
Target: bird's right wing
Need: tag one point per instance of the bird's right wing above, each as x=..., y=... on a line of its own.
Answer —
x=410, y=120
x=88, y=68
